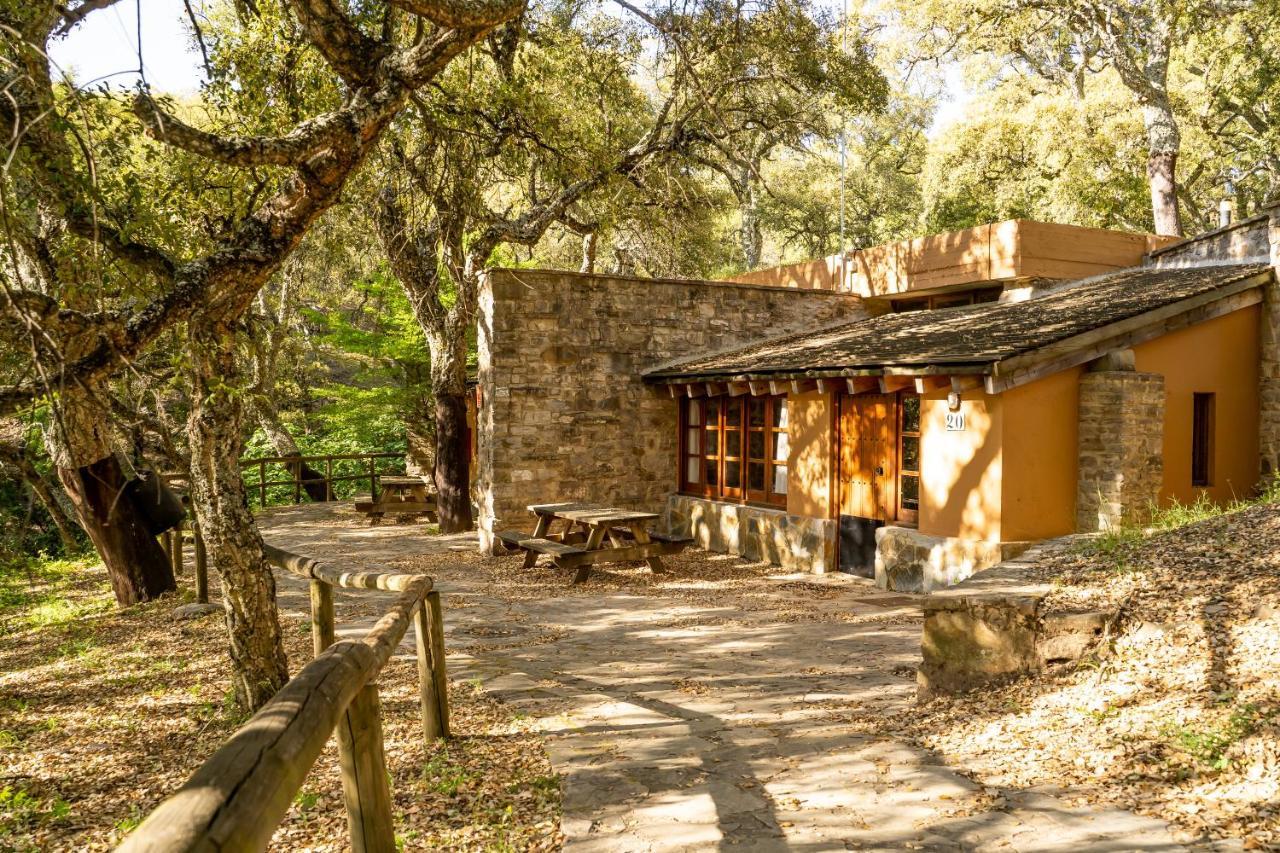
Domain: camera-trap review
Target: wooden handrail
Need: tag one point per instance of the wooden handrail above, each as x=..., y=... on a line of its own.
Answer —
x=237, y=798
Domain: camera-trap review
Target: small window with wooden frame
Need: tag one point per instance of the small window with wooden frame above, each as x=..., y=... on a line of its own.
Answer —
x=735, y=448
x=1202, y=428
x=909, y=458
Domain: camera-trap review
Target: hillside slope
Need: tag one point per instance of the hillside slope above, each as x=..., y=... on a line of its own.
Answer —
x=1181, y=719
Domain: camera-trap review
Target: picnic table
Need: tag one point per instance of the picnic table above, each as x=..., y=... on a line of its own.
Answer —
x=592, y=534
x=399, y=496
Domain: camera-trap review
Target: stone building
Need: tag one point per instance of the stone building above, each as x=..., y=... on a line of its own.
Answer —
x=915, y=411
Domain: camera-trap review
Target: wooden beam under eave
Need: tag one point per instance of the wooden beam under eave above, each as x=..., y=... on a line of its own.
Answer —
x=737, y=389
x=758, y=389
x=925, y=384
x=714, y=389
x=695, y=389
x=825, y=386
x=777, y=388
x=803, y=386
x=862, y=384
x=675, y=390
x=960, y=384
x=891, y=384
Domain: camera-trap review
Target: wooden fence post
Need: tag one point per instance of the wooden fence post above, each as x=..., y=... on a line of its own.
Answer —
x=364, y=774
x=328, y=477
x=202, y=566
x=373, y=478
x=439, y=677
x=322, y=629
x=175, y=552
x=426, y=677
x=262, y=483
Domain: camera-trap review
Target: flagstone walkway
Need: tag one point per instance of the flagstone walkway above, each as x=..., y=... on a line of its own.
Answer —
x=680, y=725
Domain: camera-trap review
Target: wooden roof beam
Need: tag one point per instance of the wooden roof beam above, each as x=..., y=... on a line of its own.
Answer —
x=803, y=386
x=737, y=389
x=892, y=384
x=925, y=384
x=758, y=389
x=862, y=384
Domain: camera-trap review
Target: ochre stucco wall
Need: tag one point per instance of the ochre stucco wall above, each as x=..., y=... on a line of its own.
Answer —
x=811, y=429
x=1038, y=498
x=961, y=471
x=1218, y=356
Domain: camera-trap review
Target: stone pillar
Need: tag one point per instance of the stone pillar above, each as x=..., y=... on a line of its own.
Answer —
x=1121, y=438
x=1269, y=367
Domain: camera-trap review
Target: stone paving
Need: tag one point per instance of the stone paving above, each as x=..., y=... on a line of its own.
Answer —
x=680, y=725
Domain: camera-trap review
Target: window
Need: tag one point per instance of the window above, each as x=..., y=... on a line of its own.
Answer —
x=909, y=457
x=1202, y=439
x=735, y=448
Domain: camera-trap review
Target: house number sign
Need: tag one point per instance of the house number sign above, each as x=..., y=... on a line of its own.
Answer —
x=955, y=421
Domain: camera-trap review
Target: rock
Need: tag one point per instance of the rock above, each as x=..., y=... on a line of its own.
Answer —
x=1265, y=612
x=1147, y=631
x=195, y=610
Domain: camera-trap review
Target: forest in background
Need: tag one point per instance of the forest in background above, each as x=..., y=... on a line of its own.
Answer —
x=289, y=263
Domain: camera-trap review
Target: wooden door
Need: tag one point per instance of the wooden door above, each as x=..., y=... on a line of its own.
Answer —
x=868, y=450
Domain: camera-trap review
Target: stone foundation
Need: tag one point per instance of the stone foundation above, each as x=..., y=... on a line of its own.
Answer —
x=1120, y=448
x=794, y=542
x=992, y=629
x=909, y=561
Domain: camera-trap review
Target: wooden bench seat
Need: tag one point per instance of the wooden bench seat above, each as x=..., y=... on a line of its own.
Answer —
x=670, y=539
x=364, y=503
x=525, y=542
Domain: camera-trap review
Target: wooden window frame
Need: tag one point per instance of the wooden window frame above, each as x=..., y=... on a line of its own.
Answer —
x=742, y=493
x=1203, y=416
x=904, y=514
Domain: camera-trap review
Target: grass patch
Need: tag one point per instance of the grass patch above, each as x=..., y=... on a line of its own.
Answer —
x=1210, y=745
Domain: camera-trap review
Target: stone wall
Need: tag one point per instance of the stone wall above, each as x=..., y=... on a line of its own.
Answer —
x=564, y=414
x=994, y=628
x=1120, y=447
x=1240, y=242
x=910, y=561
x=798, y=543
x=1269, y=373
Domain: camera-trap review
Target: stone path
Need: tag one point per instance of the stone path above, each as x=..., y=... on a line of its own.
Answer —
x=677, y=725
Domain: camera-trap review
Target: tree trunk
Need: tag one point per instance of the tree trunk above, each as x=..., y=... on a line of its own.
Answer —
x=221, y=505
x=78, y=441
x=281, y=441
x=453, y=449
x=453, y=463
x=44, y=493
x=749, y=231
x=589, y=242
x=1163, y=143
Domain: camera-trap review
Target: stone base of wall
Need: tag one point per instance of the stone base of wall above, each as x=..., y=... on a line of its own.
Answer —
x=992, y=629
x=909, y=561
x=794, y=542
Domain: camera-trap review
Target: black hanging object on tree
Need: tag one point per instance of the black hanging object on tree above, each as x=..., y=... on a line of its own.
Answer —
x=160, y=506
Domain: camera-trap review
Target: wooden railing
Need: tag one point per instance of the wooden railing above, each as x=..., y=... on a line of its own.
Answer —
x=237, y=798
x=370, y=472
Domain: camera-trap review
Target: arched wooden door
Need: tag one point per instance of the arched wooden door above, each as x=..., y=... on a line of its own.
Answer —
x=867, y=475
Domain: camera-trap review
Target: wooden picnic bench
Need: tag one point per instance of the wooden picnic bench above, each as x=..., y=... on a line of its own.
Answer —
x=582, y=542
x=399, y=496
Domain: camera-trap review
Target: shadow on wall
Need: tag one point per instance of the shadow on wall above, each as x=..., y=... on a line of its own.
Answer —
x=812, y=435
x=961, y=473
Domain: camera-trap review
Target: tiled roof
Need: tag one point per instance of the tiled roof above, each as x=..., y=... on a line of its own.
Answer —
x=971, y=337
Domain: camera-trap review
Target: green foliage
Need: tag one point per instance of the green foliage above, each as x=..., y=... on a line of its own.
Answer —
x=20, y=809
x=1210, y=745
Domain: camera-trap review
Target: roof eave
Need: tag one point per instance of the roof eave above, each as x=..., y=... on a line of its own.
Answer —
x=1030, y=365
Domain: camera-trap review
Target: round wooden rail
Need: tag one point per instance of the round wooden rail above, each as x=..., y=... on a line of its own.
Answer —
x=237, y=798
